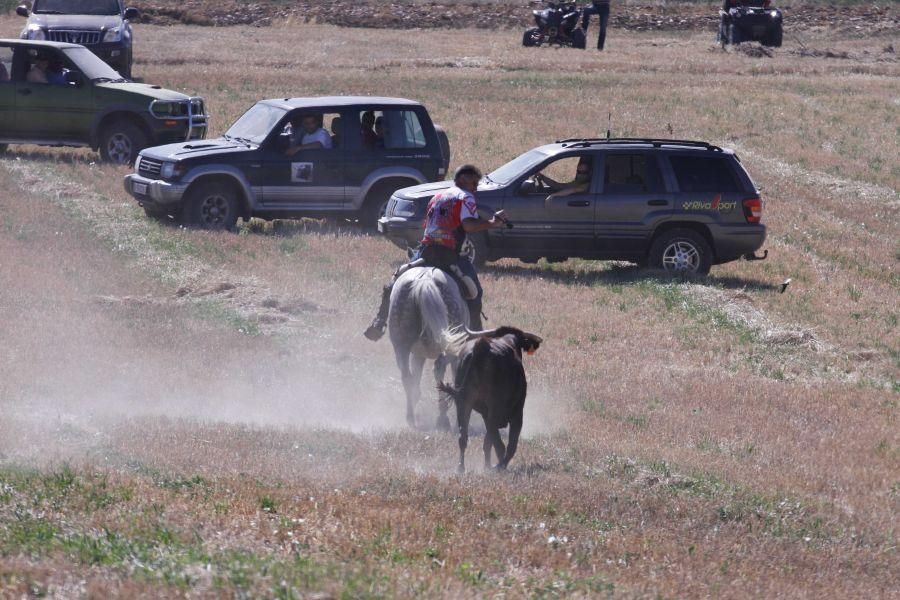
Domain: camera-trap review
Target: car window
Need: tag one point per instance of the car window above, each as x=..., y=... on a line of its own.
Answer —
x=76, y=7
x=90, y=65
x=516, y=167
x=6, y=59
x=255, y=124
x=391, y=130
x=310, y=127
x=631, y=174
x=704, y=174
x=562, y=170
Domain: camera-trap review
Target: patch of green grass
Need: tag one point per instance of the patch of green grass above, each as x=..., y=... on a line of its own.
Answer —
x=213, y=310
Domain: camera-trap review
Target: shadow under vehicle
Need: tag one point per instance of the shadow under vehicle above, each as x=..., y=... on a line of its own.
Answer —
x=676, y=205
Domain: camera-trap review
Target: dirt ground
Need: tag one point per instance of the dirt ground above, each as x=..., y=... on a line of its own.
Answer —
x=192, y=414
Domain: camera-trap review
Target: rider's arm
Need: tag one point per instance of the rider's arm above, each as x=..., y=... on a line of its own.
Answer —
x=476, y=225
x=581, y=188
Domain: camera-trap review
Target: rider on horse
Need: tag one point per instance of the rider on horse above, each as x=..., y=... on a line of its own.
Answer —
x=451, y=215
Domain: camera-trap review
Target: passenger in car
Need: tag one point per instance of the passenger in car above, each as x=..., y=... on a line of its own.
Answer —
x=336, y=125
x=379, y=132
x=307, y=133
x=579, y=185
x=369, y=139
x=56, y=74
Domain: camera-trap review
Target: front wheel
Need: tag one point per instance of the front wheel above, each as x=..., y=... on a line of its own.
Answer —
x=212, y=206
x=532, y=37
x=121, y=141
x=682, y=251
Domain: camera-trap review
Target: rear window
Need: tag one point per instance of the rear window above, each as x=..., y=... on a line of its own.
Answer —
x=704, y=174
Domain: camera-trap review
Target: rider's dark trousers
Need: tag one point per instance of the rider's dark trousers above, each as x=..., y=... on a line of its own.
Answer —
x=602, y=12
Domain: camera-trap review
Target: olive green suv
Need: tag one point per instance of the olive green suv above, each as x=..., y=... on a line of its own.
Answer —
x=59, y=94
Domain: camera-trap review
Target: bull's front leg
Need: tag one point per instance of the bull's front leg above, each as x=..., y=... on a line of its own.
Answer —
x=463, y=413
x=492, y=440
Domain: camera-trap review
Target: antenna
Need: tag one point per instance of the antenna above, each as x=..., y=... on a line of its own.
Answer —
x=608, y=125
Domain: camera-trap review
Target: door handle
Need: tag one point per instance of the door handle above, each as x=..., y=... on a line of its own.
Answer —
x=25, y=92
x=579, y=203
x=658, y=202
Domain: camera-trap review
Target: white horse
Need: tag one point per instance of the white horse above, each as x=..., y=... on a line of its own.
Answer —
x=426, y=305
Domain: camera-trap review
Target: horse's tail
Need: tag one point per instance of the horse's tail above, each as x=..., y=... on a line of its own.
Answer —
x=433, y=310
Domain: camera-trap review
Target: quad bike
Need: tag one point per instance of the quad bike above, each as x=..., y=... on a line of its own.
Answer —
x=557, y=24
x=750, y=21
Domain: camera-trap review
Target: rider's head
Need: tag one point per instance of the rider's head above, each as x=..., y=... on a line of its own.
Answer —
x=467, y=178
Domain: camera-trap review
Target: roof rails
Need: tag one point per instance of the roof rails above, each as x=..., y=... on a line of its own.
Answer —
x=656, y=143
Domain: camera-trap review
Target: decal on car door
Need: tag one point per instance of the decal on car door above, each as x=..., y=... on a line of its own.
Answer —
x=302, y=172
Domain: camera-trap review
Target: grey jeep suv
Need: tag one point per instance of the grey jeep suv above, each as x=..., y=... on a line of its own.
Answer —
x=671, y=204
x=102, y=26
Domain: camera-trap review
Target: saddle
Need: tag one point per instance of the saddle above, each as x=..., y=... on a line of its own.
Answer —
x=467, y=286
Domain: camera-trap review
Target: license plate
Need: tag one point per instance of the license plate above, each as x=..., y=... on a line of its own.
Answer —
x=139, y=188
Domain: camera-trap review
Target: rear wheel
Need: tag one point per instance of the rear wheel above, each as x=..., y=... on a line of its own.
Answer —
x=532, y=37
x=212, y=206
x=376, y=204
x=681, y=251
x=579, y=39
x=121, y=141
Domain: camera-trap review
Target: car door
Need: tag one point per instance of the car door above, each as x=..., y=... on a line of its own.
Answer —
x=52, y=111
x=309, y=181
x=7, y=93
x=633, y=199
x=561, y=226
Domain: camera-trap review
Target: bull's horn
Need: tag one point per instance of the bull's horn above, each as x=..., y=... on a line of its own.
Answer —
x=485, y=333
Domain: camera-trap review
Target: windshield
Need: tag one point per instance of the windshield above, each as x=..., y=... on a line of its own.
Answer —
x=516, y=167
x=76, y=7
x=255, y=124
x=90, y=66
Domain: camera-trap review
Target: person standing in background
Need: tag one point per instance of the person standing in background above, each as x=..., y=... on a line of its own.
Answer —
x=601, y=9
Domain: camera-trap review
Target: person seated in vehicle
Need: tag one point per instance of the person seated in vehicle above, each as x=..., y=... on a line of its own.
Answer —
x=38, y=71
x=379, y=132
x=336, y=132
x=450, y=216
x=307, y=133
x=581, y=184
x=367, y=132
x=56, y=74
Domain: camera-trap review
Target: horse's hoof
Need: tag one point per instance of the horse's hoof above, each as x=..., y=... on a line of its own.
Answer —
x=443, y=423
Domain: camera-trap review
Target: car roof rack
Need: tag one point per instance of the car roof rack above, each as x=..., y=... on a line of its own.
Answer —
x=656, y=143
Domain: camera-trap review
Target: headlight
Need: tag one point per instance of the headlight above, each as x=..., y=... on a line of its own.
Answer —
x=171, y=170
x=774, y=14
x=34, y=32
x=404, y=208
x=113, y=35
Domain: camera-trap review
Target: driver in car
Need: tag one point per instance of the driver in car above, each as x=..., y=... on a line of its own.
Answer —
x=580, y=185
x=307, y=133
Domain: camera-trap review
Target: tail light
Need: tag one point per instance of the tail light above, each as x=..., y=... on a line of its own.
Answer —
x=753, y=210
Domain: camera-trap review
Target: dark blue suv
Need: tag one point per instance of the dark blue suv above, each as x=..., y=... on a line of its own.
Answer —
x=671, y=204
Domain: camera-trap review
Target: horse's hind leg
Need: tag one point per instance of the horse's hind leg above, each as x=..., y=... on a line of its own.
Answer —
x=440, y=369
x=411, y=374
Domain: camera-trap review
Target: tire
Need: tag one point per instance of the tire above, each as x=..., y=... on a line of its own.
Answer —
x=734, y=34
x=479, y=241
x=376, y=203
x=121, y=141
x=212, y=206
x=579, y=38
x=682, y=251
x=444, y=143
x=532, y=37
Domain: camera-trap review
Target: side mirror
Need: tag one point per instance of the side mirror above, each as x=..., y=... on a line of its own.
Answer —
x=527, y=187
x=132, y=14
x=22, y=10
x=74, y=78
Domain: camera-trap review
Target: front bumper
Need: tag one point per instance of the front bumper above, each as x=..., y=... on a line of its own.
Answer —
x=154, y=193
x=402, y=232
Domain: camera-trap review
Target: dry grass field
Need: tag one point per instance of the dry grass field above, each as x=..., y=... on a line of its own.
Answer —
x=194, y=414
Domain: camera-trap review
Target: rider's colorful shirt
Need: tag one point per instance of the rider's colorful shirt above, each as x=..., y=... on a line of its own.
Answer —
x=446, y=212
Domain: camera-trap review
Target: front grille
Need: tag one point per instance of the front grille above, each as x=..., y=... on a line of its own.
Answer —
x=149, y=167
x=73, y=36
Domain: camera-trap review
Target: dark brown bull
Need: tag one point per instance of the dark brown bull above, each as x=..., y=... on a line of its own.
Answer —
x=490, y=380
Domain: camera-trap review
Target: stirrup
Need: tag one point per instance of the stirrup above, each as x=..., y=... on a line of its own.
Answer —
x=470, y=289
